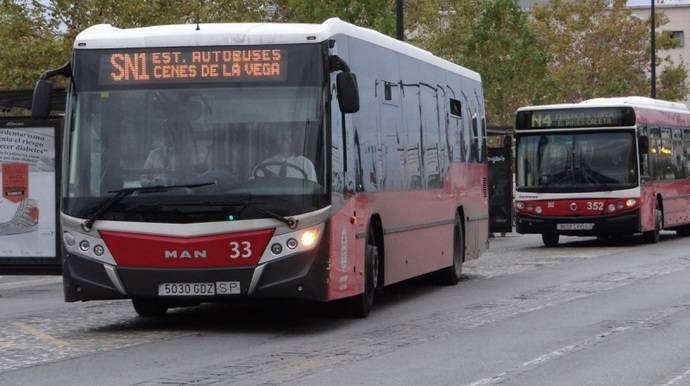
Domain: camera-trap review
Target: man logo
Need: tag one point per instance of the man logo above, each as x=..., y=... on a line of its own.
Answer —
x=185, y=254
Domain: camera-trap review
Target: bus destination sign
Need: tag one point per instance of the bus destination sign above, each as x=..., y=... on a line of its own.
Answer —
x=192, y=65
x=575, y=118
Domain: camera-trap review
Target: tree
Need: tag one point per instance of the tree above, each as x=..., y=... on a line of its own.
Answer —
x=510, y=56
x=375, y=14
x=598, y=49
x=38, y=35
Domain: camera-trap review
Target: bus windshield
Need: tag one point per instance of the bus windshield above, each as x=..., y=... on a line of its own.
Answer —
x=576, y=162
x=248, y=139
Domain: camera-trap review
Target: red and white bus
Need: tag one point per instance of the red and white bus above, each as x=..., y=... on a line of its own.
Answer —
x=604, y=167
x=220, y=160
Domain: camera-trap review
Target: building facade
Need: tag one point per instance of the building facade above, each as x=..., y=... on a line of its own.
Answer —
x=678, y=26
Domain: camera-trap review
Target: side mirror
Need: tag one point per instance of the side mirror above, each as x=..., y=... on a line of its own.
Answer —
x=643, y=144
x=40, y=103
x=348, y=92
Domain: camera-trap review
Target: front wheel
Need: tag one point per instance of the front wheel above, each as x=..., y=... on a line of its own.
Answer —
x=451, y=275
x=652, y=237
x=149, y=308
x=550, y=239
x=359, y=306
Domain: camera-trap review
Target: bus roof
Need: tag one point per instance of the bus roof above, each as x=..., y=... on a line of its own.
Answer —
x=105, y=36
x=630, y=101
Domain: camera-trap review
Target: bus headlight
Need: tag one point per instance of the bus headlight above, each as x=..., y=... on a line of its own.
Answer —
x=520, y=205
x=630, y=202
x=612, y=207
x=538, y=209
x=309, y=237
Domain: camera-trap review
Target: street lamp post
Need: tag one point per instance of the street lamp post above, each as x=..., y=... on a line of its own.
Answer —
x=399, y=26
x=653, y=38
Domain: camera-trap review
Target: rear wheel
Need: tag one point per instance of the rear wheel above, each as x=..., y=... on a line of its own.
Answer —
x=683, y=231
x=652, y=237
x=359, y=306
x=550, y=239
x=148, y=308
x=451, y=275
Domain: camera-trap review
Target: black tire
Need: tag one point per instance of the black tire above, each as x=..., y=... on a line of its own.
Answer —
x=683, y=231
x=149, y=308
x=359, y=306
x=451, y=275
x=550, y=239
x=652, y=237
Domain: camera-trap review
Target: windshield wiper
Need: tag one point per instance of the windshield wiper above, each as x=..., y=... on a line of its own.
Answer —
x=247, y=203
x=122, y=193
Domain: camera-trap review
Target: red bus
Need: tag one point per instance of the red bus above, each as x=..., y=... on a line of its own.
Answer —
x=605, y=167
x=315, y=162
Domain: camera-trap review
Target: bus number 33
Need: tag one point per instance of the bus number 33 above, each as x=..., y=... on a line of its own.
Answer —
x=241, y=249
x=595, y=205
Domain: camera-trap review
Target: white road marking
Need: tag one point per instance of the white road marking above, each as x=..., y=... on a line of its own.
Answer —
x=576, y=347
x=678, y=379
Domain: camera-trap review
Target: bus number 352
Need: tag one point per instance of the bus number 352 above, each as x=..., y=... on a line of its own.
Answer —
x=595, y=205
x=241, y=249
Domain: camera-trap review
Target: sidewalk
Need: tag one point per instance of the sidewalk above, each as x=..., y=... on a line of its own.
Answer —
x=14, y=282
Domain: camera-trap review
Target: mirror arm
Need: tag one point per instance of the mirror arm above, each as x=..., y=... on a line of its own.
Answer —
x=335, y=63
x=65, y=70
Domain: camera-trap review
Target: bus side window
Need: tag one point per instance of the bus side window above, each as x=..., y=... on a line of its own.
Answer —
x=686, y=151
x=655, y=163
x=678, y=156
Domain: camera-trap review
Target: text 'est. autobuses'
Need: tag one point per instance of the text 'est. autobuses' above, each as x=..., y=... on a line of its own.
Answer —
x=195, y=65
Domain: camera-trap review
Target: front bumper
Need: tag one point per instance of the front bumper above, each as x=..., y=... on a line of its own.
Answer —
x=616, y=224
x=300, y=276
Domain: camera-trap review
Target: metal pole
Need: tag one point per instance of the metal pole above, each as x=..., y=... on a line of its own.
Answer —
x=399, y=25
x=653, y=68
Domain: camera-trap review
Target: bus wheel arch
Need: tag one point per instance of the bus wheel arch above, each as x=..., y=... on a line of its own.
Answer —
x=652, y=237
x=451, y=275
x=360, y=305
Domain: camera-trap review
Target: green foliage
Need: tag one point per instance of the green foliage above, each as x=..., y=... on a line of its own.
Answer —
x=375, y=14
x=510, y=56
x=564, y=51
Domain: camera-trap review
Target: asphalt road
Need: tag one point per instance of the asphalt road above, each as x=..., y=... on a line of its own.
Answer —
x=587, y=312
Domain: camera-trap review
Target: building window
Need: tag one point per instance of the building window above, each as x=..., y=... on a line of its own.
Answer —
x=679, y=37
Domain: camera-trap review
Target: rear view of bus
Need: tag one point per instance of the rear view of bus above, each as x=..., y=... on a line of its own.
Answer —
x=589, y=169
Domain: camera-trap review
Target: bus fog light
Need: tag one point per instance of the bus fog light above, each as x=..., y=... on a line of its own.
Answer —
x=84, y=245
x=276, y=249
x=309, y=237
x=291, y=243
x=98, y=250
x=538, y=209
x=630, y=202
x=612, y=207
x=69, y=239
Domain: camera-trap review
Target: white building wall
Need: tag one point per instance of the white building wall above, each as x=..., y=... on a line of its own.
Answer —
x=678, y=14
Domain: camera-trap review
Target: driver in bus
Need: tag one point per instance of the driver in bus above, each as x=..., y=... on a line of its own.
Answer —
x=289, y=162
x=164, y=166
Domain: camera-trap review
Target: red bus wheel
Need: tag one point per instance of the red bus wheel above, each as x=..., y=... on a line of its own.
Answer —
x=148, y=308
x=359, y=306
x=451, y=275
x=550, y=239
x=652, y=237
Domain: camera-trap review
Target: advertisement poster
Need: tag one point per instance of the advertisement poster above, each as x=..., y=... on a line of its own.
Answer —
x=28, y=181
